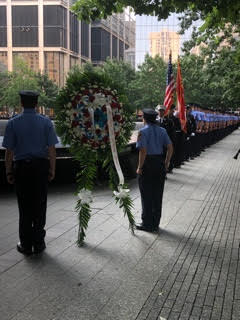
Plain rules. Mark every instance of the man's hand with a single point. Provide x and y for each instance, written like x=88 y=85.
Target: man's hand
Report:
x=167 y=163
x=10 y=178
x=52 y=162
x=51 y=175
x=139 y=171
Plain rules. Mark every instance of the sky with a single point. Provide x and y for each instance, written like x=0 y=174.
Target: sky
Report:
x=147 y=24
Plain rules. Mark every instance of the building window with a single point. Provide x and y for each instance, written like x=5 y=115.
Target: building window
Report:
x=55 y=26
x=85 y=39
x=96 y=44
x=74 y=33
x=105 y=45
x=121 y=50
x=3 y=27
x=114 y=47
x=25 y=26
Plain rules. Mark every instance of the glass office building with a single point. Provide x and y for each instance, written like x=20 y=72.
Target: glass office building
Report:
x=50 y=38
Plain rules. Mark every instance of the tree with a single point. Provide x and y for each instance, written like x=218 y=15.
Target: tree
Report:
x=212 y=81
x=223 y=9
x=122 y=74
x=3 y=85
x=48 y=91
x=22 y=78
x=150 y=84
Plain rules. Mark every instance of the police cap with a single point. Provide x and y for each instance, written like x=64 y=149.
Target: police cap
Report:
x=149 y=114
x=160 y=107
x=29 y=98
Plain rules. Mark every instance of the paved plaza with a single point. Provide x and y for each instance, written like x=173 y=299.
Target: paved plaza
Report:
x=189 y=270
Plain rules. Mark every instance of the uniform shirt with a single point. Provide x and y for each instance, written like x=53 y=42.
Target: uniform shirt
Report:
x=153 y=138
x=29 y=135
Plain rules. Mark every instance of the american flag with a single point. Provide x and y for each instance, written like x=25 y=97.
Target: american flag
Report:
x=180 y=98
x=168 y=100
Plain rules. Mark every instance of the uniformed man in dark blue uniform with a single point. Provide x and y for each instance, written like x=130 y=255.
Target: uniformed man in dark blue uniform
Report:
x=30 y=163
x=152 y=167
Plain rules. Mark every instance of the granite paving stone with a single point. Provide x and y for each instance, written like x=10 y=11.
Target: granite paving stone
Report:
x=189 y=270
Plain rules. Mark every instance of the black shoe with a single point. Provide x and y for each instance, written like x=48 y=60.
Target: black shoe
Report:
x=23 y=250
x=37 y=249
x=142 y=227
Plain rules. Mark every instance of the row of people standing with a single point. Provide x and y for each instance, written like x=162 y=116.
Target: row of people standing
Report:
x=203 y=128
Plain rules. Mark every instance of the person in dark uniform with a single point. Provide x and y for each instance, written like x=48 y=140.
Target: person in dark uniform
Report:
x=165 y=122
x=191 y=131
x=174 y=136
x=30 y=163
x=152 y=167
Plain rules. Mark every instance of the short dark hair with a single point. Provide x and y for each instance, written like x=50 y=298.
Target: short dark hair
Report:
x=29 y=102
x=29 y=99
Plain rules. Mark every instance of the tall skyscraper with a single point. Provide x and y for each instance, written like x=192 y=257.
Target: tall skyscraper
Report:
x=162 y=42
x=50 y=38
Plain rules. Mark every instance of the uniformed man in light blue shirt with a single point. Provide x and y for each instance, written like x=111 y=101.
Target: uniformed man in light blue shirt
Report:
x=30 y=163
x=152 y=167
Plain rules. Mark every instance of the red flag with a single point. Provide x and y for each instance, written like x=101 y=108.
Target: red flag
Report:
x=180 y=98
x=168 y=100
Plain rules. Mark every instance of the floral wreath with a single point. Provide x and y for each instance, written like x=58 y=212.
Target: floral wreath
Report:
x=87 y=116
x=91 y=119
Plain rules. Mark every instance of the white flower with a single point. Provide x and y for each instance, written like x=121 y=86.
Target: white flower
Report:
x=85 y=196
x=121 y=193
x=100 y=99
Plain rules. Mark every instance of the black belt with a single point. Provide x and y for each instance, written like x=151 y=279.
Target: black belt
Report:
x=31 y=161
x=153 y=156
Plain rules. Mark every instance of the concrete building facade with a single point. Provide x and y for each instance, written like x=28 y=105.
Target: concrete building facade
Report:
x=50 y=38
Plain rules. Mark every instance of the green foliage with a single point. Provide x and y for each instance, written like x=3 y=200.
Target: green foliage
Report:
x=48 y=91
x=122 y=75
x=126 y=204
x=23 y=78
x=84 y=215
x=214 y=11
x=212 y=80
x=150 y=83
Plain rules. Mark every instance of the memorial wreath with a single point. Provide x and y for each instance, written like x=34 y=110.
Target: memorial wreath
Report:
x=91 y=119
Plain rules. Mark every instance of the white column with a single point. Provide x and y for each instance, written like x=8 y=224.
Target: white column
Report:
x=41 y=36
x=111 y=55
x=9 y=35
x=68 y=41
x=90 y=41
x=80 y=40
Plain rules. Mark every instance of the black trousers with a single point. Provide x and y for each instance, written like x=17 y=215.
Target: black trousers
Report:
x=151 y=186
x=31 y=179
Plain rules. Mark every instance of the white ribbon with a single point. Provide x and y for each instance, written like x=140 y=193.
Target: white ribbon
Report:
x=113 y=145
x=85 y=196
